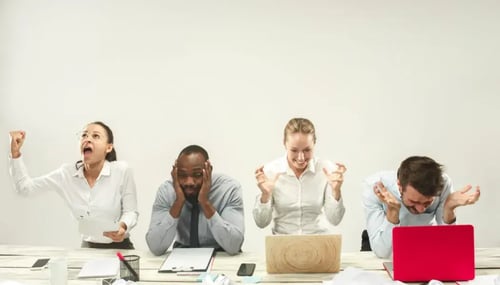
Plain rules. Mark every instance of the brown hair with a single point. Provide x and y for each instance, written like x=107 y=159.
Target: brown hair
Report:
x=422 y=173
x=299 y=125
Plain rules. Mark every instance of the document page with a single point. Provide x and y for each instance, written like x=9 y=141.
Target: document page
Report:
x=187 y=259
x=482 y=280
x=103 y=267
x=95 y=227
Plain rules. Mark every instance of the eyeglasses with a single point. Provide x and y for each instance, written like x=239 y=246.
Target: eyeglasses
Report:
x=84 y=135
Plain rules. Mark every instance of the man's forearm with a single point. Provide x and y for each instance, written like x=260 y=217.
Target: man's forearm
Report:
x=392 y=216
x=176 y=209
x=449 y=216
x=206 y=206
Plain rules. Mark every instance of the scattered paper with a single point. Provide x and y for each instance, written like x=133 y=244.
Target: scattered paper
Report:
x=220 y=279
x=356 y=276
x=251 y=279
x=123 y=282
x=482 y=280
x=104 y=267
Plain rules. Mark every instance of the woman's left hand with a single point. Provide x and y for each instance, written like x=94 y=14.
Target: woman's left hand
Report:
x=335 y=179
x=119 y=235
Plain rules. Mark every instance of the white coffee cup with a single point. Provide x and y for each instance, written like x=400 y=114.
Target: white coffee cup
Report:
x=58 y=271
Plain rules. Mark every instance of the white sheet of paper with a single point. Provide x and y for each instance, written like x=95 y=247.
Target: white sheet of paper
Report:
x=104 y=267
x=482 y=280
x=187 y=259
x=95 y=227
x=358 y=276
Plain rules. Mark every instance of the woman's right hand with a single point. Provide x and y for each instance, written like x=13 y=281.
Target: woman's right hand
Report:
x=16 y=142
x=265 y=184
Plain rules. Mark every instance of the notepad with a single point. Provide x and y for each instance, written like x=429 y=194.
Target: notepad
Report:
x=103 y=267
x=187 y=259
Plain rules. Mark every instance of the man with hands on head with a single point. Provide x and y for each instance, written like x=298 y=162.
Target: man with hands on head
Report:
x=418 y=194
x=218 y=198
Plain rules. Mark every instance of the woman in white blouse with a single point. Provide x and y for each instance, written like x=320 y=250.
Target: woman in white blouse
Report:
x=97 y=188
x=297 y=188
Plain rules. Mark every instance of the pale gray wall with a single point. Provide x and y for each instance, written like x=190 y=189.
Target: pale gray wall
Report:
x=382 y=80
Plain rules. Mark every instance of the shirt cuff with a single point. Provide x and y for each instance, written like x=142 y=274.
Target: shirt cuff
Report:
x=214 y=220
x=390 y=225
x=15 y=161
x=261 y=205
x=454 y=221
x=170 y=220
x=128 y=220
x=332 y=200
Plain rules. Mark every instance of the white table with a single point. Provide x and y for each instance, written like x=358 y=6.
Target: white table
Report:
x=16 y=261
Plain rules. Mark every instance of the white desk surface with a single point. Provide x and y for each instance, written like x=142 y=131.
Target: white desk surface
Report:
x=16 y=261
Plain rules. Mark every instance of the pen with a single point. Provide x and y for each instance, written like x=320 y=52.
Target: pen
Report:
x=211 y=263
x=120 y=256
x=188 y=273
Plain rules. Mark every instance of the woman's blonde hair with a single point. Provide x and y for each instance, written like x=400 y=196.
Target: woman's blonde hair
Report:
x=299 y=125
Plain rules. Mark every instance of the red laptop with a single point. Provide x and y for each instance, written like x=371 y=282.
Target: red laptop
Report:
x=439 y=252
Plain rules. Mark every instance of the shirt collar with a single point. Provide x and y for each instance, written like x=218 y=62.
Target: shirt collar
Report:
x=105 y=171
x=285 y=168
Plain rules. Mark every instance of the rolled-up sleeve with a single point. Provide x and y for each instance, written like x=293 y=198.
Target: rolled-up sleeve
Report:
x=378 y=227
x=447 y=190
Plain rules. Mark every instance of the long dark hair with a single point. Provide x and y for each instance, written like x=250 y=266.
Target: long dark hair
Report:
x=110 y=156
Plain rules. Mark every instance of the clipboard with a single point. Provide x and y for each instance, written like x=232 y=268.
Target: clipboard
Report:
x=187 y=259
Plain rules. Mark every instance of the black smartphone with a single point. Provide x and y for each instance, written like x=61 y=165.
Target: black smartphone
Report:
x=246 y=269
x=39 y=263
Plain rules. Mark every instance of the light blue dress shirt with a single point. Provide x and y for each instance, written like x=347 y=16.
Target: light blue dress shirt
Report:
x=224 y=229
x=379 y=228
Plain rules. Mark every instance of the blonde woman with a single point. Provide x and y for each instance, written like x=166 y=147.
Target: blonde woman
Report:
x=296 y=189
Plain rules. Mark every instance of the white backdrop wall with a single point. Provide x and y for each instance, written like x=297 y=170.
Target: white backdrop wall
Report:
x=381 y=80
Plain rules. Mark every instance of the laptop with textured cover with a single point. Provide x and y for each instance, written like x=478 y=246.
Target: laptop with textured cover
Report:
x=303 y=253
